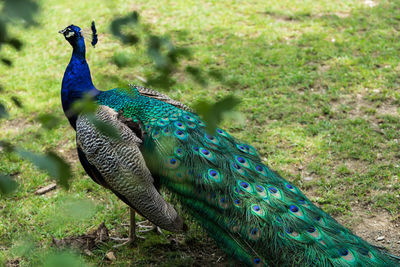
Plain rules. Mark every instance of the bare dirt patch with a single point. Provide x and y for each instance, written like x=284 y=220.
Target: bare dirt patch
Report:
x=357 y=104
x=356 y=166
x=68 y=152
x=70 y=155
x=16 y=126
x=301 y=17
x=376 y=227
x=387 y=109
x=360 y=106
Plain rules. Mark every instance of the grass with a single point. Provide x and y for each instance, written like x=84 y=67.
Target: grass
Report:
x=320 y=93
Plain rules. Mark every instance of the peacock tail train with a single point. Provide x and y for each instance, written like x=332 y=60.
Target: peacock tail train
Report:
x=251 y=211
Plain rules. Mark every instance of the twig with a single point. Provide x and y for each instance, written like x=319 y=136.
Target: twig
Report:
x=45 y=189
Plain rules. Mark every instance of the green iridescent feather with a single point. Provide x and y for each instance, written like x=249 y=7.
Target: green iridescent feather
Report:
x=252 y=212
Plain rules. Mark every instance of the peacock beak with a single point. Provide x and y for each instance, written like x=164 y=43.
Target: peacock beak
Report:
x=62 y=31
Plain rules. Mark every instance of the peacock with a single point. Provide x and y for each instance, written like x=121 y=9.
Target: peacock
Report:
x=254 y=214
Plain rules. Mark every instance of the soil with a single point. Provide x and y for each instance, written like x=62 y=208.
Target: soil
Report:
x=377 y=228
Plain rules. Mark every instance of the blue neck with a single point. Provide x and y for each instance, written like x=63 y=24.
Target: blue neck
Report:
x=77 y=80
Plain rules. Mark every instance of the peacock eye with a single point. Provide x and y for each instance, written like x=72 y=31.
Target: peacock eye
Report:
x=69 y=34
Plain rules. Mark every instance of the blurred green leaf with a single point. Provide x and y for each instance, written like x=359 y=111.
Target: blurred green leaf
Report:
x=120 y=59
x=86 y=105
x=6 y=61
x=216 y=74
x=160 y=49
x=117 y=24
x=69 y=210
x=24 y=246
x=105 y=128
x=14 y=42
x=78 y=209
x=163 y=80
x=196 y=75
x=23 y=9
x=16 y=101
x=50 y=162
x=3 y=111
x=154 y=51
x=63 y=259
x=212 y=114
x=175 y=53
x=48 y=121
x=3 y=31
x=15 y=11
x=7 y=184
x=165 y=57
x=164 y=54
x=6 y=146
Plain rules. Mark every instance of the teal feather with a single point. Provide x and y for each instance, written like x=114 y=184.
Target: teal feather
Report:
x=250 y=210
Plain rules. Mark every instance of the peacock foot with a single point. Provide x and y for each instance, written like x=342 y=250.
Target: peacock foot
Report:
x=129 y=241
x=146 y=226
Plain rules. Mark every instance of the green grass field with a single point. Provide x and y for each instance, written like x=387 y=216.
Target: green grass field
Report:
x=319 y=83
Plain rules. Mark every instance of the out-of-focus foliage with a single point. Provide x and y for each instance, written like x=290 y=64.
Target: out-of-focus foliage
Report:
x=22 y=12
x=214 y=113
x=15 y=12
x=88 y=107
x=104 y=128
x=12 y=12
x=7 y=184
x=3 y=111
x=63 y=259
x=50 y=162
x=48 y=121
x=164 y=54
x=117 y=25
x=167 y=59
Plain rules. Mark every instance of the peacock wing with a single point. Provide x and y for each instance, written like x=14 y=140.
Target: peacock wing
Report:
x=122 y=168
x=157 y=95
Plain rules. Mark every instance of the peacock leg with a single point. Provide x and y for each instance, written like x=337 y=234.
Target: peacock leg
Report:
x=132 y=228
x=142 y=228
x=132 y=232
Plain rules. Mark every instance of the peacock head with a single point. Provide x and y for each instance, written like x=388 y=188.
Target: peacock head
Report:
x=72 y=34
